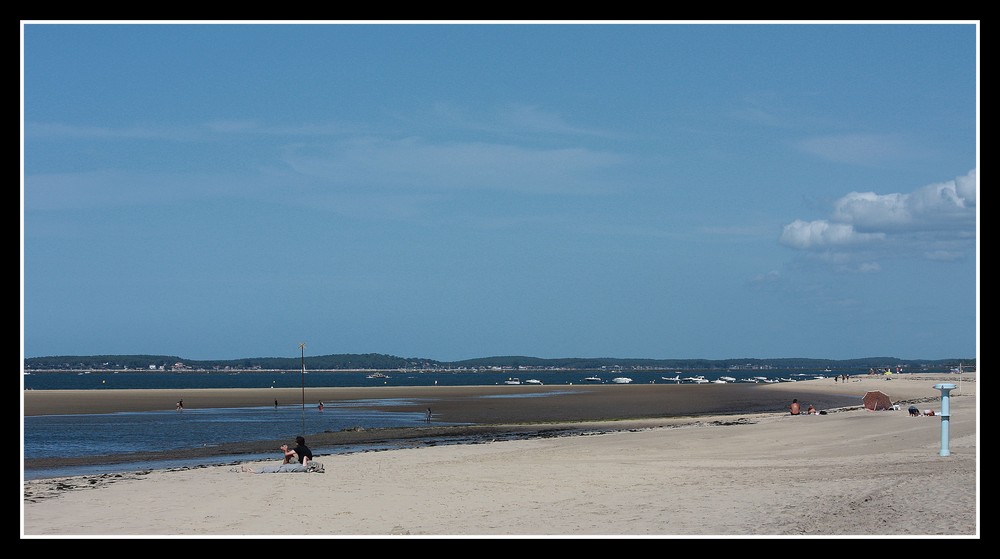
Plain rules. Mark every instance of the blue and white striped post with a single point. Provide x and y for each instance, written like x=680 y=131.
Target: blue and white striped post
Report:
x=945 y=388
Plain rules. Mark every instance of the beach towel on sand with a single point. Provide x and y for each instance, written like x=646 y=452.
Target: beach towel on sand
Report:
x=293 y=468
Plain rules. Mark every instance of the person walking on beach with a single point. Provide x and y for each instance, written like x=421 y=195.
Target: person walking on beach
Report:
x=275 y=403
x=428 y=415
x=795 y=408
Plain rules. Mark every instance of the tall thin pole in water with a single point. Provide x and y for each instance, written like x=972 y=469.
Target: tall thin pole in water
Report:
x=302 y=349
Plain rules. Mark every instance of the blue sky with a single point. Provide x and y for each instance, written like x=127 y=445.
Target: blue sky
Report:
x=451 y=191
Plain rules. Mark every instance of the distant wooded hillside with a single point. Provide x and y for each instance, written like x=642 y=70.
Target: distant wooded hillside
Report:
x=378 y=361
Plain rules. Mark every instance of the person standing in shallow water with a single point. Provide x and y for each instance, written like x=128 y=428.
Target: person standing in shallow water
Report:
x=275 y=403
x=180 y=405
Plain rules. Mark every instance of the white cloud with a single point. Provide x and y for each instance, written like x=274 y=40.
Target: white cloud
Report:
x=936 y=221
x=948 y=204
x=769 y=277
x=823 y=234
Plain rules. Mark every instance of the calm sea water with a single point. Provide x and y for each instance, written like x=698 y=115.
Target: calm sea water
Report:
x=99 y=434
x=85 y=435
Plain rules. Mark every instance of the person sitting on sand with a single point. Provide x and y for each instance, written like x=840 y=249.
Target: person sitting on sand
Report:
x=795 y=408
x=295 y=459
x=812 y=410
x=300 y=453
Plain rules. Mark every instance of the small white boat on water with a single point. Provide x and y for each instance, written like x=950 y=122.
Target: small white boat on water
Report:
x=674 y=378
x=377 y=374
x=592 y=379
x=727 y=379
x=621 y=380
x=532 y=381
x=512 y=380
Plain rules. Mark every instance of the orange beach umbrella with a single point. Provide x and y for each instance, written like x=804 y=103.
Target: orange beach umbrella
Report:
x=877 y=400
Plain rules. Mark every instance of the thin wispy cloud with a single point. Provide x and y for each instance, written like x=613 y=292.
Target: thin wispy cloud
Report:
x=863 y=149
x=423 y=164
x=215 y=129
x=55 y=130
x=109 y=189
x=511 y=119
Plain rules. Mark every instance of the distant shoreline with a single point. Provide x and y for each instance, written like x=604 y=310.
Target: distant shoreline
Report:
x=350 y=362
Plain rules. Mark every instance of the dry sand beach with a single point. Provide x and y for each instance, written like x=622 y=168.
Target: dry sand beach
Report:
x=605 y=469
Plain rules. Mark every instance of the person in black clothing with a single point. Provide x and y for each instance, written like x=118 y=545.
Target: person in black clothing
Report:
x=300 y=453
